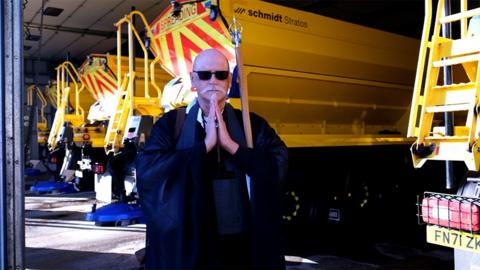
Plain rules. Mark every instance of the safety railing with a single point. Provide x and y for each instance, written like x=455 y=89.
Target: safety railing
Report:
x=422 y=58
x=68 y=69
x=67 y=76
x=126 y=101
x=132 y=32
x=42 y=120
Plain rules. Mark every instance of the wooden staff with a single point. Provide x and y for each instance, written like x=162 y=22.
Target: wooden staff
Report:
x=236 y=32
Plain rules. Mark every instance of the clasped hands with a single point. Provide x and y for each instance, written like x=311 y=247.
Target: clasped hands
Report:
x=217 y=135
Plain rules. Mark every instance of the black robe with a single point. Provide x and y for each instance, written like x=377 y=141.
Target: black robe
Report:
x=177 y=198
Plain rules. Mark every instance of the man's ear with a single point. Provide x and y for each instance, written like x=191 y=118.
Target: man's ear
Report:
x=193 y=82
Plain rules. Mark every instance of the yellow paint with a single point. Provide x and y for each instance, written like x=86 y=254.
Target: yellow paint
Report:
x=51 y=93
x=134 y=96
x=96 y=134
x=431 y=98
x=318 y=81
x=69 y=95
x=318 y=140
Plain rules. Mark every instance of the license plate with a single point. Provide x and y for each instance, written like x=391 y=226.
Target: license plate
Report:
x=453 y=238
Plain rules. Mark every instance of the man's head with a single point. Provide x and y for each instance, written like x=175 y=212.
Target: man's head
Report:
x=211 y=76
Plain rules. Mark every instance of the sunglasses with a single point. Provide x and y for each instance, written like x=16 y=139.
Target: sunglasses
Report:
x=207 y=75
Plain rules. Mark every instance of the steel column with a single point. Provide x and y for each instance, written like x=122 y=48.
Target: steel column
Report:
x=447 y=80
x=11 y=136
x=3 y=210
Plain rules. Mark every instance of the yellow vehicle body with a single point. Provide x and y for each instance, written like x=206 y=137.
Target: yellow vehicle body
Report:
x=51 y=93
x=51 y=96
x=95 y=82
x=317 y=80
x=72 y=102
x=78 y=132
x=139 y=83
x=433 y=97
x=98 y=76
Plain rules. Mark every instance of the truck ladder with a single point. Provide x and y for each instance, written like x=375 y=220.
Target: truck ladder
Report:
x=128 y=100
x=118 y=119
x=59 y=119
x=432 y=96
x=42 y=120
x=77 y=117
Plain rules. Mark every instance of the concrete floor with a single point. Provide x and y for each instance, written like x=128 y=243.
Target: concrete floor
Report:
x=57 y=237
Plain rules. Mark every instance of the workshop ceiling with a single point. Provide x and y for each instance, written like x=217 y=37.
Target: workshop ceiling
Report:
x=83 y=27
x=86 y=26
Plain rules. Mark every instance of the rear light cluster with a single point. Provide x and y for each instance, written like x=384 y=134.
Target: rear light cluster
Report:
x=86 y=137
x=98 y=168
x=83 y=132
x=451 y=211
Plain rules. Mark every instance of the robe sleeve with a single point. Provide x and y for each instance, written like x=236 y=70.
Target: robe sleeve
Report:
x=269 y=157
x=266 y=164
x=160 y=167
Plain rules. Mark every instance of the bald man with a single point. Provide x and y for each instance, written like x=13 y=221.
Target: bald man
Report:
x=209 y=201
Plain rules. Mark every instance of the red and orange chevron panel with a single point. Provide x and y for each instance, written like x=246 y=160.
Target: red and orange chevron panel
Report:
x=98 y=79
x=178 y=40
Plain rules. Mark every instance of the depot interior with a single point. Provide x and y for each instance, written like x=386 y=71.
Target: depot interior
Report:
x=346 y=190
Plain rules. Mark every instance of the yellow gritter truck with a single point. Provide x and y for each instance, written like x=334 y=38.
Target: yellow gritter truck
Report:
x=337 y=93
x=444 y=122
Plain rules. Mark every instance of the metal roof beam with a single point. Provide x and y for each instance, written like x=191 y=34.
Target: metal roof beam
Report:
x=82 y=31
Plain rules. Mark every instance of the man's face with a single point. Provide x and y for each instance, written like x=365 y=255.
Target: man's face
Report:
x=210 y=61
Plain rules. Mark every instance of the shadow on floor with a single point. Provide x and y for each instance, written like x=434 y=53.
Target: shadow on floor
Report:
x=56 y=215
x=383 y=256
x=47 y=258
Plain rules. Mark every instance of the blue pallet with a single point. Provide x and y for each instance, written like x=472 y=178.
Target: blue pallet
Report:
x=53 y=187
x=116 y=213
